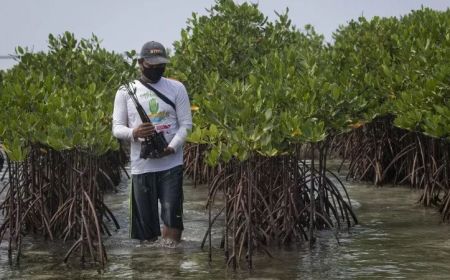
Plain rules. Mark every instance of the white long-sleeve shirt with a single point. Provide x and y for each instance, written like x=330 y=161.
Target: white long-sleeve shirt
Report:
x=174 y=124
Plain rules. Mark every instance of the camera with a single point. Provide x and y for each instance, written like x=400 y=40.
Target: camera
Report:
x=154 y=146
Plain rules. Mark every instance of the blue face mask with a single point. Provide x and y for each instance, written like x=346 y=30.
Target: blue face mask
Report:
x=154 y=74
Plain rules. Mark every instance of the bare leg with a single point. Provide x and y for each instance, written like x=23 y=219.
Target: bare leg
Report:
x=173 y=234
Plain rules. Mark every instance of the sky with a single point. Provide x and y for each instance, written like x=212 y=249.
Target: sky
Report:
x=127 y=25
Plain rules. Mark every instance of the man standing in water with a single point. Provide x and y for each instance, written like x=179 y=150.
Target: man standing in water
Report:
x=166 y=103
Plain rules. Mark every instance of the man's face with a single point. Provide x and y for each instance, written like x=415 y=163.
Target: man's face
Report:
x=153 y=72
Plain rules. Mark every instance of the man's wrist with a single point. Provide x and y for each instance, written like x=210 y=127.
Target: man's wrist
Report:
x=133 y=134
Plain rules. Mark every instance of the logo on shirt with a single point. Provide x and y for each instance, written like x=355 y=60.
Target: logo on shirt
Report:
x=153 y=106
x=155 y=115
x=148 y=94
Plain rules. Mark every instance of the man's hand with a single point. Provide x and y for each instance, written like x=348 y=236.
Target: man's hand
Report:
x=144 y=130
x=167 y=151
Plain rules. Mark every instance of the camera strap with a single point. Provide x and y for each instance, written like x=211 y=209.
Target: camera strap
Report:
x=159 y=94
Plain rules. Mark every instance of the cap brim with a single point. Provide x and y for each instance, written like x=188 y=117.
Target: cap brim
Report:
x=156 y=60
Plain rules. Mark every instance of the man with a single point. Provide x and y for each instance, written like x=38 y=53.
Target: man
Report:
x=166 y=103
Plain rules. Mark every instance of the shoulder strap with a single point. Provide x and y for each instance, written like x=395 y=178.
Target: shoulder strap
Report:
x=159 y=94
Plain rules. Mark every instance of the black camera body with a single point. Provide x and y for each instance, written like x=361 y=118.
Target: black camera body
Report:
x=154 y=146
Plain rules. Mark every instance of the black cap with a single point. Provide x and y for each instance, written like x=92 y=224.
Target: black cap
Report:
x=154 y=53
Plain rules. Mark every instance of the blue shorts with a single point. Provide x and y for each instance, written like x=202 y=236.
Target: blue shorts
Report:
x=146 y=189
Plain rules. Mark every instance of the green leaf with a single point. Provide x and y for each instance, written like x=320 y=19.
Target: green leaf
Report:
x=268 y=114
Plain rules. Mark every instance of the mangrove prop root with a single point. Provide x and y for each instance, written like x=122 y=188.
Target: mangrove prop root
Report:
x=58 y=195
x=276 y=201
x=381 y=153
x=195 y=166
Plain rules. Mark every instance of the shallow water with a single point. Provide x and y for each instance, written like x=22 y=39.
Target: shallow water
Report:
x=396 y=239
